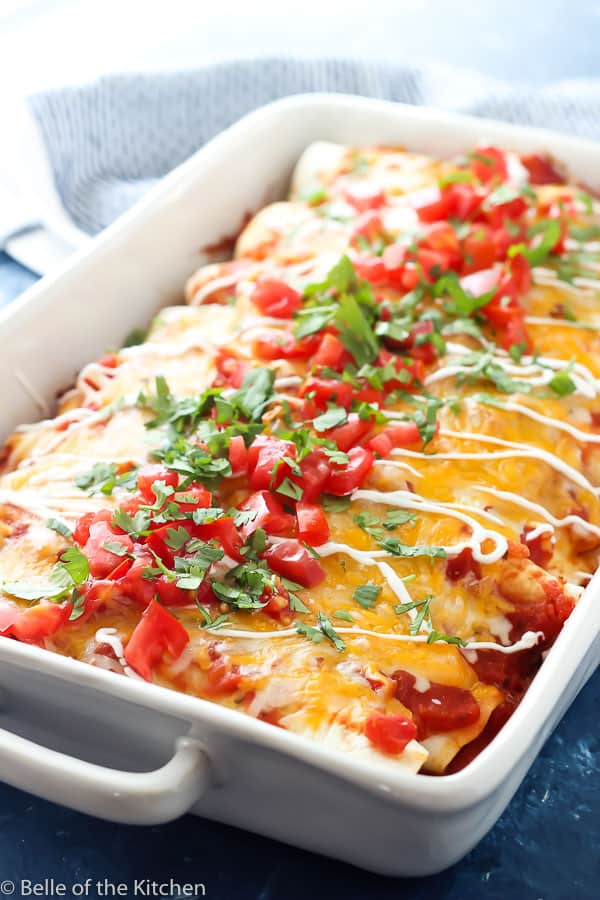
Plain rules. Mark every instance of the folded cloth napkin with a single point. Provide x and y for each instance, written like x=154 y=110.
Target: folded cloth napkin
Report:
x=103 y=144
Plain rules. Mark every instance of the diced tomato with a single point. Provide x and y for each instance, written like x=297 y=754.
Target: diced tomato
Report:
x=196 y=497
x=269 y=514
x=365 y=196
x=171 y=595
x=158 y=541
x=489 y=164
x=433 y=262
x=230 y=367
x=381 y=445
x=134 y=586
x=403 y=434
x=277 y=602
x=102 y=561
x=326 y=390
x=284 y=345
x=515 y=332
x=40 y=621
x=350 y=433
x=81 y=532
x=541 y=548
x=238 y=455
x=150 y=473
x=520 y=271
x=109 y=361
x=503 y=239
x=432 y=205
x=442 y=236
x=390 y=733
x=410 y=372
x=158 y=633
x=548 y=616
x=371 y=268
x=331 y=353
x=368 y=394
x=416 y=344
x=463 y=200
x=223 y=675
x=268 y=461
x=312 y=523
x=346 y=478
x=462 y=565
x=291 y=559
x=8 y=616
x=479 y=250
x=541 y=169
x=368 y=227
x=276 y=299
x=316 y=469
x=510 y=211
x=440 y=708
x=224 y=532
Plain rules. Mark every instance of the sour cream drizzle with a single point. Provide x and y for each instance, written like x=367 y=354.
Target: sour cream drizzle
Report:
x=524 y=450
x=528 y=640
x=511 y=406
x=408 y=500
x=109 y=636
x=540 y=510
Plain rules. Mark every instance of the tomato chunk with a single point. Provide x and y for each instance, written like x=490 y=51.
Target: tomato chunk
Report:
x=401 y=435
x=265 y=456
x=103 y=561
x=316 y=469
x=41 y=621
x=292 y=560
x=350 y=433
x=276 y=298
x=331 y=353
x=489 y=164
x=346 y=478
x=312 y=523
x=150 y=473
x=238 y=455
x=268 y=514
x=326 y=390
x=230 y=367
x=440 y=708
x=284 y=345
x=390 y=733
x=157 y=634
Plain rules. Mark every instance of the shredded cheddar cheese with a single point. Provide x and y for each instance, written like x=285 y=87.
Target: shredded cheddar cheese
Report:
x=351 y=488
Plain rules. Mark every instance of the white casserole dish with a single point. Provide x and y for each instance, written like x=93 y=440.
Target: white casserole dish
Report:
x=134 y=752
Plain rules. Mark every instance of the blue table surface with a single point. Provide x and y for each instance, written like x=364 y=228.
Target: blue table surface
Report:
x=546 y=845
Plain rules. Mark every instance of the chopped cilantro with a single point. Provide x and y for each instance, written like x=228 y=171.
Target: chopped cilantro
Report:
x=366 y=595
x=59 y=526
x=335 y=415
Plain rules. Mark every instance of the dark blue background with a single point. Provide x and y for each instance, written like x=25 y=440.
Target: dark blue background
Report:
x=547 y=844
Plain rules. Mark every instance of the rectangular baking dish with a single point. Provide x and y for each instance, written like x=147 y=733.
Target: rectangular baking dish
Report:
x=134 y=752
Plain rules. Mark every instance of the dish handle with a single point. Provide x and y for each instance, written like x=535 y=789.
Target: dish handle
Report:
x=134 y=798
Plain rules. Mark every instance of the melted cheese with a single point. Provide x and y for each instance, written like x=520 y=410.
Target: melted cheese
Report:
x=524 y=465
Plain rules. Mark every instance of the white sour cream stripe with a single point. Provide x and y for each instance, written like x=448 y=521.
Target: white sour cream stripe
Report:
x=528 y=640
x=408 y=500
x=510 y=406
x=524 y=450
x=540 y=510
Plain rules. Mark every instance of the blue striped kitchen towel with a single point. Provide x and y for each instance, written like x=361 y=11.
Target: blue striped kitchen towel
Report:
x=107 y=142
